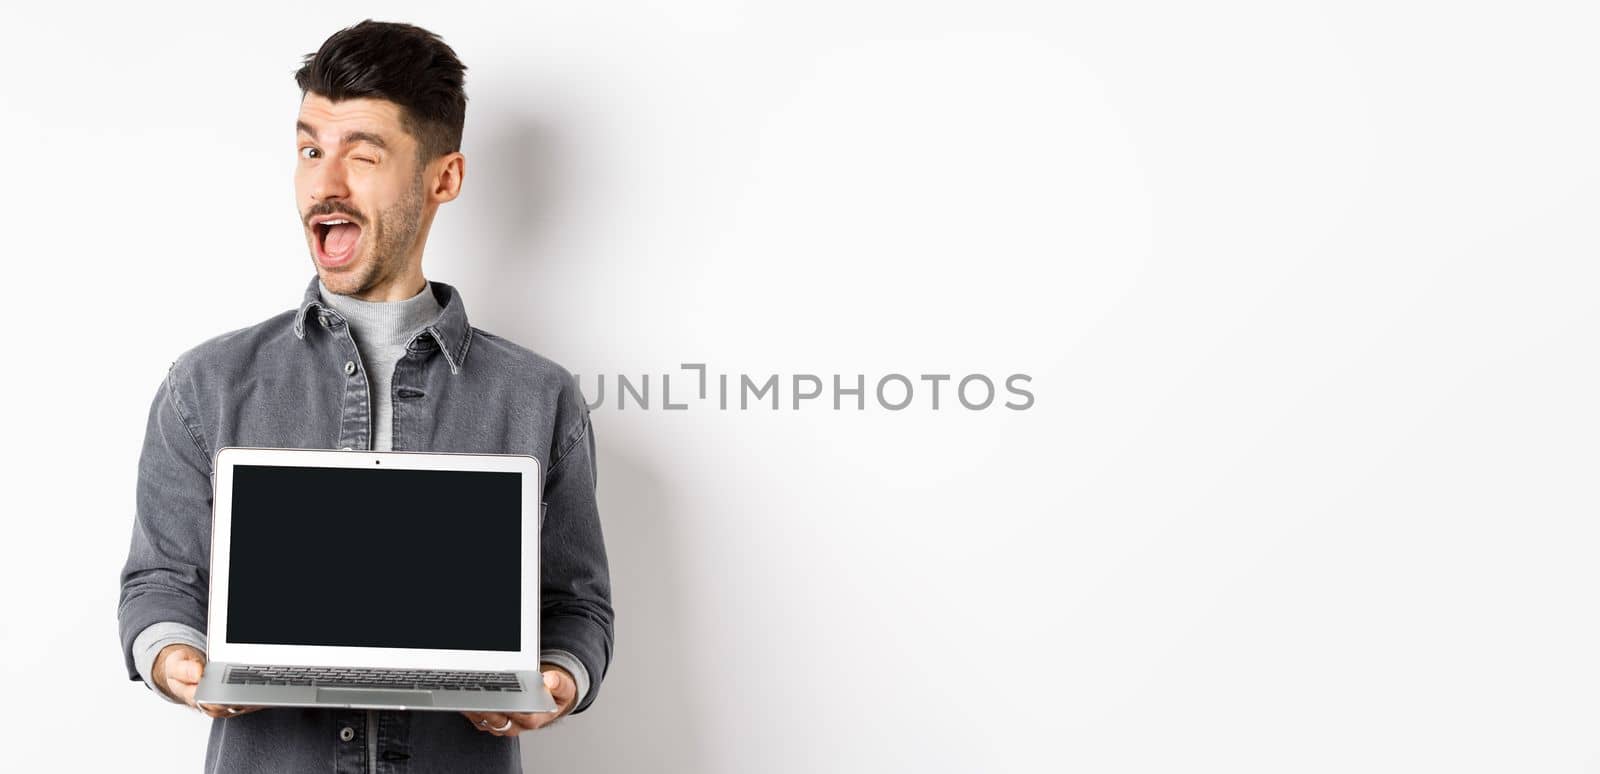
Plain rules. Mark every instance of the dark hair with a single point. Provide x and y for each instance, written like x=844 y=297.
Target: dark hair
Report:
x=402 y=63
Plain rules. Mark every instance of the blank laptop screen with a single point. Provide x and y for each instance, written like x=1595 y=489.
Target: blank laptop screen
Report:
x=375 y=558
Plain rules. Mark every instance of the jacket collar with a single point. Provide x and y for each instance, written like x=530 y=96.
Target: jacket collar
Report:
x=449 y=331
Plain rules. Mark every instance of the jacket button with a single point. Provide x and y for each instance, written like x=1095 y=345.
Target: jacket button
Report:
x=349 y=367
x=346 y=734
x=324 y=319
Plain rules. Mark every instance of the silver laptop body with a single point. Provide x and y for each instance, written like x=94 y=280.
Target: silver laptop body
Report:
x=381 y=580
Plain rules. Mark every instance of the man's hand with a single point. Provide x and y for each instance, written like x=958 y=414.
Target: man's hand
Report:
x=562 y=686
x=177 y=673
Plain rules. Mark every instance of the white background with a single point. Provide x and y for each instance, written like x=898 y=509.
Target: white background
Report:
x=1307 y=293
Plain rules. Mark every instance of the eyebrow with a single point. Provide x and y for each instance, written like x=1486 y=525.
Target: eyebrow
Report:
x=350 y=137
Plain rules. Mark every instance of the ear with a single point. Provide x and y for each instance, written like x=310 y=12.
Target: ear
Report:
x=451 y=170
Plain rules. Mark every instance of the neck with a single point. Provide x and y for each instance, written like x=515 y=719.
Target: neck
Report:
x=400 y=288
x=384 y=322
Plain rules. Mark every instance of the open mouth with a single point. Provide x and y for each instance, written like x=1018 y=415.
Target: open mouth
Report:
x=336 y=240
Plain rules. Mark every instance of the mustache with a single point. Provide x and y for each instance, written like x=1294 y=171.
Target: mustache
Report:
x=333 y=209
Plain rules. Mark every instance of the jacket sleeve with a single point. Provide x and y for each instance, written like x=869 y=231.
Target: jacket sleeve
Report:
x=165 y=578
x=575 y=594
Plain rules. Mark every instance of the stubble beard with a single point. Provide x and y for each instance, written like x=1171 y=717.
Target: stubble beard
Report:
x=394 y=231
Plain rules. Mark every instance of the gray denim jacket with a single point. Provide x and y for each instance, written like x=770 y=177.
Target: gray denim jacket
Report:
x=296 y=380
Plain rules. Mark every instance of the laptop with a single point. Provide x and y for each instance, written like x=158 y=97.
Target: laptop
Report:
x=377 y=580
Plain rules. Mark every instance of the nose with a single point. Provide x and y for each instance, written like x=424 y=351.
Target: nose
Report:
x=328 y=181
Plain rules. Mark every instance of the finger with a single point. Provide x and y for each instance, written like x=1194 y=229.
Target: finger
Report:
x=488 y=722
x=184 y=691
x=186 y=671
x=212 y=710
x=562 y=687
x=530 y=721
x=565 y=692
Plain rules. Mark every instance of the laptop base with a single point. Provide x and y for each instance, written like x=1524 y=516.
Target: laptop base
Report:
x=214 y=691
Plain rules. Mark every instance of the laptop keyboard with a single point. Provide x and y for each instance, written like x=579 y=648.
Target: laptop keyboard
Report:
x=343 y=677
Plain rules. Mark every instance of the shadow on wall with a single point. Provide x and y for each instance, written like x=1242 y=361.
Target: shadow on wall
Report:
x=644 y=718
x=514 y=179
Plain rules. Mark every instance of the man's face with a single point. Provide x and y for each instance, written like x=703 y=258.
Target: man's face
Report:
x=357 y=163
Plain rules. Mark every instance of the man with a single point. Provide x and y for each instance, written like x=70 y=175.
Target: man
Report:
x=373 y=357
